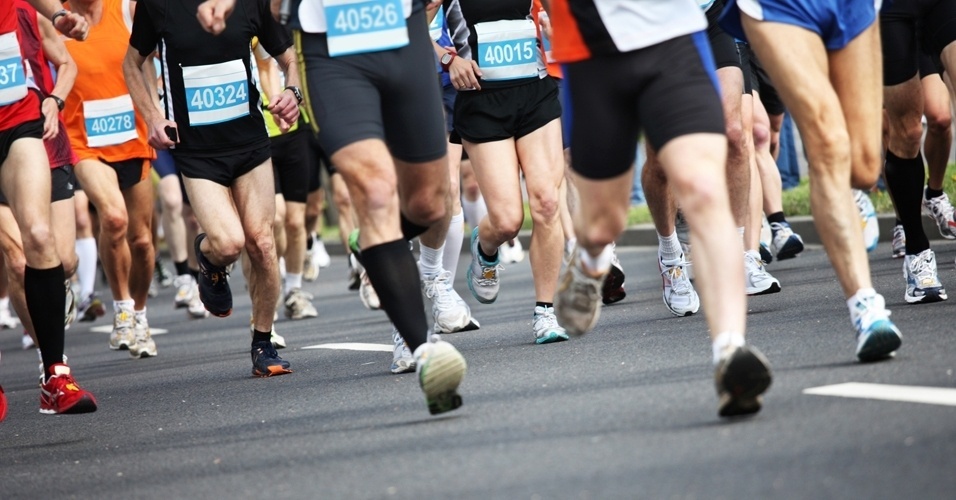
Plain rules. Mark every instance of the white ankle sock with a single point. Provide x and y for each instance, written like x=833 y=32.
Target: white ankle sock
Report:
x=292 y=281
x=429 y=263
x=453 y=242
x=669 y=246
x=86 y=267
x=601 y=263
x=725 y=340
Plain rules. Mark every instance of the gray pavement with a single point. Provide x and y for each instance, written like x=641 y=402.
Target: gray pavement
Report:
x=628 y=411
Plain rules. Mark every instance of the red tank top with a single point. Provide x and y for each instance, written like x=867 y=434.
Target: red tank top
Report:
x=17 y=104
x=58 y=148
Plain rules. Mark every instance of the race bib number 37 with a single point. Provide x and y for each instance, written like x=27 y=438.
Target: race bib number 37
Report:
x=508 y=50
x=13 y=82
x=359 y=26
x=216 y=93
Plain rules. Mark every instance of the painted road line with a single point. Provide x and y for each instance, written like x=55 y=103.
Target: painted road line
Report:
x=354 y=346
x=109 y=329
x=905 y=393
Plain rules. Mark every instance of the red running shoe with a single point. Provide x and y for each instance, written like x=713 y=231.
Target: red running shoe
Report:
x=3 y=405
x=61 y=394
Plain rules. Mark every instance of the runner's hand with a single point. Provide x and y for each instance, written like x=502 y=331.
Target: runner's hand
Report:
x=158 y=138
x=464 y=74
x=212 y=14
x=72 y=25
x=51 y=118
x=285 y=108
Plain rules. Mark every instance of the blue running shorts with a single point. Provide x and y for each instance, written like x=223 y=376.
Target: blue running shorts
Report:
x=836 y=21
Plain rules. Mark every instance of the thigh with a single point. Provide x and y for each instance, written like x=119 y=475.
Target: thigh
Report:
x=213 y=206
x=255 y=199
x=542 y=161
x=101 y=184
x=496 y=169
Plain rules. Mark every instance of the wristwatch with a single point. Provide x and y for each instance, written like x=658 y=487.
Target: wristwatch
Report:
x=296 y=92
x=446 y=60
x=59 y=102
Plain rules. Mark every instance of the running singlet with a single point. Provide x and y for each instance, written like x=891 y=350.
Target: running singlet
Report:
x=502 y=39
x=210 y=80
x=58 y=148
x=595 y=27
x=100 y=118
x=17 y=104
x=438 y=31
x=358 y=26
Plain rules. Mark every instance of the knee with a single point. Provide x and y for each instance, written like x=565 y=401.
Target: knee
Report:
x=70 y=262
x=113 y=223
x=761 y=137
x=172 y=207
x=506 y=226
x=736 y=142
x=16 y=264
x=703 y=191
x=140 y=242
x=868 y=165
x=939 y=123
x=833 y=151
x=261 y=246
x=36 y=238
x=544 y=206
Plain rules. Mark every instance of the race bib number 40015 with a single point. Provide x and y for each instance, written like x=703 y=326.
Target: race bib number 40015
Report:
x=359 y=26
x=508 y=50
x=109 y=121
x=216 y=93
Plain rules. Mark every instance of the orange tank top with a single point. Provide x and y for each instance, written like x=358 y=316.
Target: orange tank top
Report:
x=100 y=118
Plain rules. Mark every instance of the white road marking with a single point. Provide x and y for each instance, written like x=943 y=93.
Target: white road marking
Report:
x=906 y=393
x=109 y=329
x=353 y=346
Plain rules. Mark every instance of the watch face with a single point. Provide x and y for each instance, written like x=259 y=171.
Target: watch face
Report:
x=445 y=59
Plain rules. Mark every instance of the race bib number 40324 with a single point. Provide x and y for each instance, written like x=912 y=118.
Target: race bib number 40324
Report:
x=216 y=93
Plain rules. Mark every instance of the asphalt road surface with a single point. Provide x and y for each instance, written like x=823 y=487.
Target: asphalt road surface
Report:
x=628 y=411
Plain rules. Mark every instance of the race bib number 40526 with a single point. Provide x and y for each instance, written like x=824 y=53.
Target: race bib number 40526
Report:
x=216 y=93
x=359 y=26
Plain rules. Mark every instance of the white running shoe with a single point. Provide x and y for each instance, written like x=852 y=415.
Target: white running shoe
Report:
x=70 y=306
x=483 y=276
x=756 y=278
x=511 y=252
x=898 y=246
x=922 y=281
x=367 y=293
x=298 y=305
x=871 y=226
x=451 y=313
x=785 y=244
x=577 y=303
x=184 y=284
x=940 y=209
x=319 y=253
x=402 y=359
x=143 y=345
x=545 y=326
x=7 y=320
x=440 y=368
x=679 y=294
x=26 y=341
x=196 y=308
x=877 y=336
x=122 y=335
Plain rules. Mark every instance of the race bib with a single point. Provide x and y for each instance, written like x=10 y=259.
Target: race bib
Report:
x=13 y=81
x=109 y=121
x=508 y=50
x=216 y=93
x=360 y=26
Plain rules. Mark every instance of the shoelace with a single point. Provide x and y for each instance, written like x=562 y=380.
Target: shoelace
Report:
x=546 y=320
x=435 y=287
x=495 y=269
x=585 y=291
x=680 y=284
x=868 y=311
x=922 y=269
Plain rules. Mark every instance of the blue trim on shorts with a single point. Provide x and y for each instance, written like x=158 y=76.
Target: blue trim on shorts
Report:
x=164 y=164
x=706 y=57
x=567 y=110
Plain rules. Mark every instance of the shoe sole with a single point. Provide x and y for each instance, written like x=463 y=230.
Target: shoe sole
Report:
x=273 y=370
x=745 y=378
x=680 y=314
x=470 y=326
x=146 y=353
x=789 y=251
x=122 y=347
x=400 y=369
x=929 y=297
x=83 y=405
x=613 y=288
x=445 y=370
x=551 y=338
x=774 y=288
x=881 y=344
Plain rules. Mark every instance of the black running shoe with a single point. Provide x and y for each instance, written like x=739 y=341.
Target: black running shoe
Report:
x=613 y=289
x=214 y=288
x=741 y=377
x=266 y=361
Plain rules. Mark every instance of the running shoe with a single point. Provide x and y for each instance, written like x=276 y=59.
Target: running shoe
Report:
x=679 y=294
x=682 y=228
x=511 y=252
x=483 y=275
x=355 y=273
x=898 y=246
x=756 y=278
x=785 y=244
x=184 y=290
x=440 y=368
x=368 y=294
x=765 y=254
x=196 y=308
x=577 y=302
x=319 y=254
x=613 y=288
x=310 y=270
x=545 y=326
x=266 y=361
x=60 y=393
x=26 y=341
x=70 y=306
x=122 y=335
x=877 y=337
x=298 y=305
x=214 y=290
x=91 y=308
x=941 y=211
x=162 y=275
x=7 y=320
x=3 y=404
x=402 y=359
x=153 y=289
x=143 y=345
x=451 y=314
x=871 y=226
x=741 y=376
x=922 y=281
